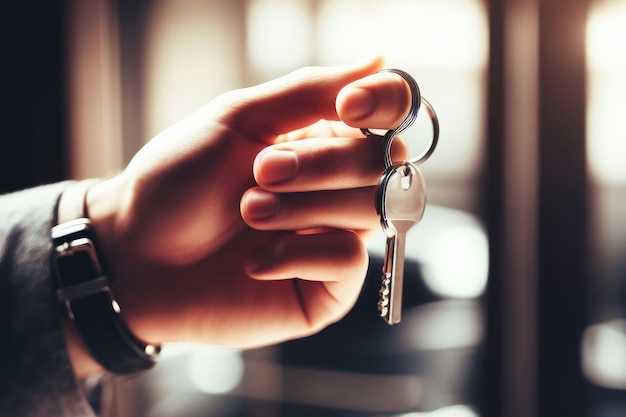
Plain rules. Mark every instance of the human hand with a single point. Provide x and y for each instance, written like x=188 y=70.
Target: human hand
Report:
x=208 y=227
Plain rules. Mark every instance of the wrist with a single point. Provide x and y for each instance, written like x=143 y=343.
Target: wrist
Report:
x=86 y=259
x=102 y=208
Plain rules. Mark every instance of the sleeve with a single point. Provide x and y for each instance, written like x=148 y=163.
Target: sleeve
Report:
x=36 y=376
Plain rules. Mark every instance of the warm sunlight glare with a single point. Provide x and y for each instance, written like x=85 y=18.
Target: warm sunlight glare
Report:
x=215 y=370
x=604 y=362
x=606 y=112
x=450 y=411
x=457 y=262
x=278 y=35
x=448 y=34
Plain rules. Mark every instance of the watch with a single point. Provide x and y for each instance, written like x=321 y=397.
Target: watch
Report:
x=83 y=288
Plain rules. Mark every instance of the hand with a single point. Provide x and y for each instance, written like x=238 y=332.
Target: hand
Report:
x=208 y=227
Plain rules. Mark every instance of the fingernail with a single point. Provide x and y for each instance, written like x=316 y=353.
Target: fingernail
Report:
x=362 y=103
x=261 y=205
x=277 y=166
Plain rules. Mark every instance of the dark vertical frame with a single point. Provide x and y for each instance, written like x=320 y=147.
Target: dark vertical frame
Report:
x=542 y=325
x=33 y=90
x=562 y=207
x=131 y=19
x=494 y=392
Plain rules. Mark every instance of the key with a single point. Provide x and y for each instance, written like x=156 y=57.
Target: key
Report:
x=400 y=203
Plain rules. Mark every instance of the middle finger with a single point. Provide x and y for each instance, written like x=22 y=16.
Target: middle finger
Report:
x=323 y=164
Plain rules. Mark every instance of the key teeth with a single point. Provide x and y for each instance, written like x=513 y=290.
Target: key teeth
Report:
x=385 y=290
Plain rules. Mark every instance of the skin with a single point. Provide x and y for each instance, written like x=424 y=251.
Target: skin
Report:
x=207 y=228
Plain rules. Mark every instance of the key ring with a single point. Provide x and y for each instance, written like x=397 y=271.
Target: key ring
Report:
x=416 y=101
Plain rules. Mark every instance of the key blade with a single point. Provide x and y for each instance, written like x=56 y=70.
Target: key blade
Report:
x=397 y=280
x=402 y=203
x=384 y=301
x=391 y=290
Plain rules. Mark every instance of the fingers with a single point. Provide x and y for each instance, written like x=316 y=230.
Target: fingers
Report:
x=330 y=268
x=317 y=183
x=323 y=164
x=379 y=101
x=351 y=209
x=316 y=257
x=290 y=102
x=355 y=94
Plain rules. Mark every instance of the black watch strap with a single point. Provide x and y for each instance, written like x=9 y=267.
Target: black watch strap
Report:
x=84 y=289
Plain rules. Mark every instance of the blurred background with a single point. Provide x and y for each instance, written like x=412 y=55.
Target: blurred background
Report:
x=515 y=293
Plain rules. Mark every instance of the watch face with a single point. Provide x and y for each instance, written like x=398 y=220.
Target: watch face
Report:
x=78 y=266
x=77 y=260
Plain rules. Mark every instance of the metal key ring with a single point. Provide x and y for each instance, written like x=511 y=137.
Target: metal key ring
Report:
x=416 y=101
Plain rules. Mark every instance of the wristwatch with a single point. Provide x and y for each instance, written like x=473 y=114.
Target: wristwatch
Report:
x=83 y=288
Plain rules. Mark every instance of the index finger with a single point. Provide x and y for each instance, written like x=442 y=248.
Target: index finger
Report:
x=290 y=102
x=305 y=96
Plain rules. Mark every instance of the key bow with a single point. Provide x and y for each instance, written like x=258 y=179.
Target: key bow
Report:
x=416 y=101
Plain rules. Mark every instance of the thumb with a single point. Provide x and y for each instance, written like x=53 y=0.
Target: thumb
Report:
x=291 y=102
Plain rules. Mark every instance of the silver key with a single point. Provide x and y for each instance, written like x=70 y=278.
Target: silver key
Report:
x=400 y=203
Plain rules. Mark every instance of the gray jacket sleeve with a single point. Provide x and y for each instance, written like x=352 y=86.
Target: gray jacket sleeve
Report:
x=36 y=376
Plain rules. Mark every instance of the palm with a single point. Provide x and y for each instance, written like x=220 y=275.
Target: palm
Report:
x=207 y=188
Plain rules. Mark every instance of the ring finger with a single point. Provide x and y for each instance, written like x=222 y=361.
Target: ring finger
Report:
x=351 y=209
